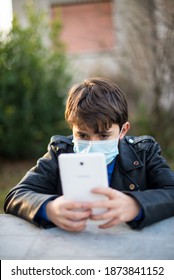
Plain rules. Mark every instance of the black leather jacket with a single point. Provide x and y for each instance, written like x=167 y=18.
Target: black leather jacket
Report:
x=140 y=171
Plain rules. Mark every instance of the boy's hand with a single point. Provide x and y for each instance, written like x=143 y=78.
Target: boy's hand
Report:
x=65 y=214
x=120 y=207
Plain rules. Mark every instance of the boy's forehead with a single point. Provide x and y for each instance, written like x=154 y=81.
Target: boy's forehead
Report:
x=84 y=128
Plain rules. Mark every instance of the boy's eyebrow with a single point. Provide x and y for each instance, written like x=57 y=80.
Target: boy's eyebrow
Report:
x=81 y=132
x=104 y=132
x=100 y=132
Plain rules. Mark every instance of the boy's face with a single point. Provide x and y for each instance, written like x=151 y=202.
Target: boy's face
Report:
x=88 y=134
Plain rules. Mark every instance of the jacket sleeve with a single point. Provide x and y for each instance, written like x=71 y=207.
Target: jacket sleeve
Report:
x=157 y=200
x=39 y=184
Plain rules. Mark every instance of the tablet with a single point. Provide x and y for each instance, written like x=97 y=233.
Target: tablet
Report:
x=80 y=173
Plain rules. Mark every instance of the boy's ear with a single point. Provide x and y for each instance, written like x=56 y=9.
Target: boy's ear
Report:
x=124 y=130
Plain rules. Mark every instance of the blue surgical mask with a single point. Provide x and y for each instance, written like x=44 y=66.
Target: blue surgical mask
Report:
x=107 y=147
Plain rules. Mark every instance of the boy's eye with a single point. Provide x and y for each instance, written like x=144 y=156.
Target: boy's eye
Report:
x=83 y=136
x=104 y=136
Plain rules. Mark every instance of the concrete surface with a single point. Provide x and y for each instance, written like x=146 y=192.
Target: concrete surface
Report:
x=22 y=240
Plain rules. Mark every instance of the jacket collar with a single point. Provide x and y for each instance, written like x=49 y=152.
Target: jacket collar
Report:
x=128 y=158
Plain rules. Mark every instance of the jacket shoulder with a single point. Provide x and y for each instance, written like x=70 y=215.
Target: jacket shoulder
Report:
x=144 y=142
x=61 y=138
x=60 y=142
x=137 y=139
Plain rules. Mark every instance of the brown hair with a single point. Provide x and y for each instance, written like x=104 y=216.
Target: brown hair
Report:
x=96 y=103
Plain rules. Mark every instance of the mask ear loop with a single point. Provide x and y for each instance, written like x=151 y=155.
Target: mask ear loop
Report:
x=120 y=132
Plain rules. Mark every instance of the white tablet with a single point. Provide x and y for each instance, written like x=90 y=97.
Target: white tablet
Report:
x=80 y=173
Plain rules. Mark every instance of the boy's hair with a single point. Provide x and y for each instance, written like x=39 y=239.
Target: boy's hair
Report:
x=96 y=103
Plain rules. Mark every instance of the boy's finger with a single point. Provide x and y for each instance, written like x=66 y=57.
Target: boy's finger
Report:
x=109 y=192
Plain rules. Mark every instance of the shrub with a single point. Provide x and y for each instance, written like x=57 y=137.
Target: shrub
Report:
x=33 y=82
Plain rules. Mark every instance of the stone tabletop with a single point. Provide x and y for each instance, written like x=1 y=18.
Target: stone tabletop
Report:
x=21 y=240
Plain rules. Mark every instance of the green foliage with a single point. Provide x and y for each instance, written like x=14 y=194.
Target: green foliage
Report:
x=145 y=123
x=148 y=122
x=33 y=82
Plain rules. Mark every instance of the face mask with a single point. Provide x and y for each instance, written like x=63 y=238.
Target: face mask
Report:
x=107 y=147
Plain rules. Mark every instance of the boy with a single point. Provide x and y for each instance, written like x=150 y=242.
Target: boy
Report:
x=141 y=184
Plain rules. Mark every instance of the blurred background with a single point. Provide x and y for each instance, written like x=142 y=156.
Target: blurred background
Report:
x=48 y=45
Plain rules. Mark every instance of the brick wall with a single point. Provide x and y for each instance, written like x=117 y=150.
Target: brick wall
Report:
x=87 y=27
